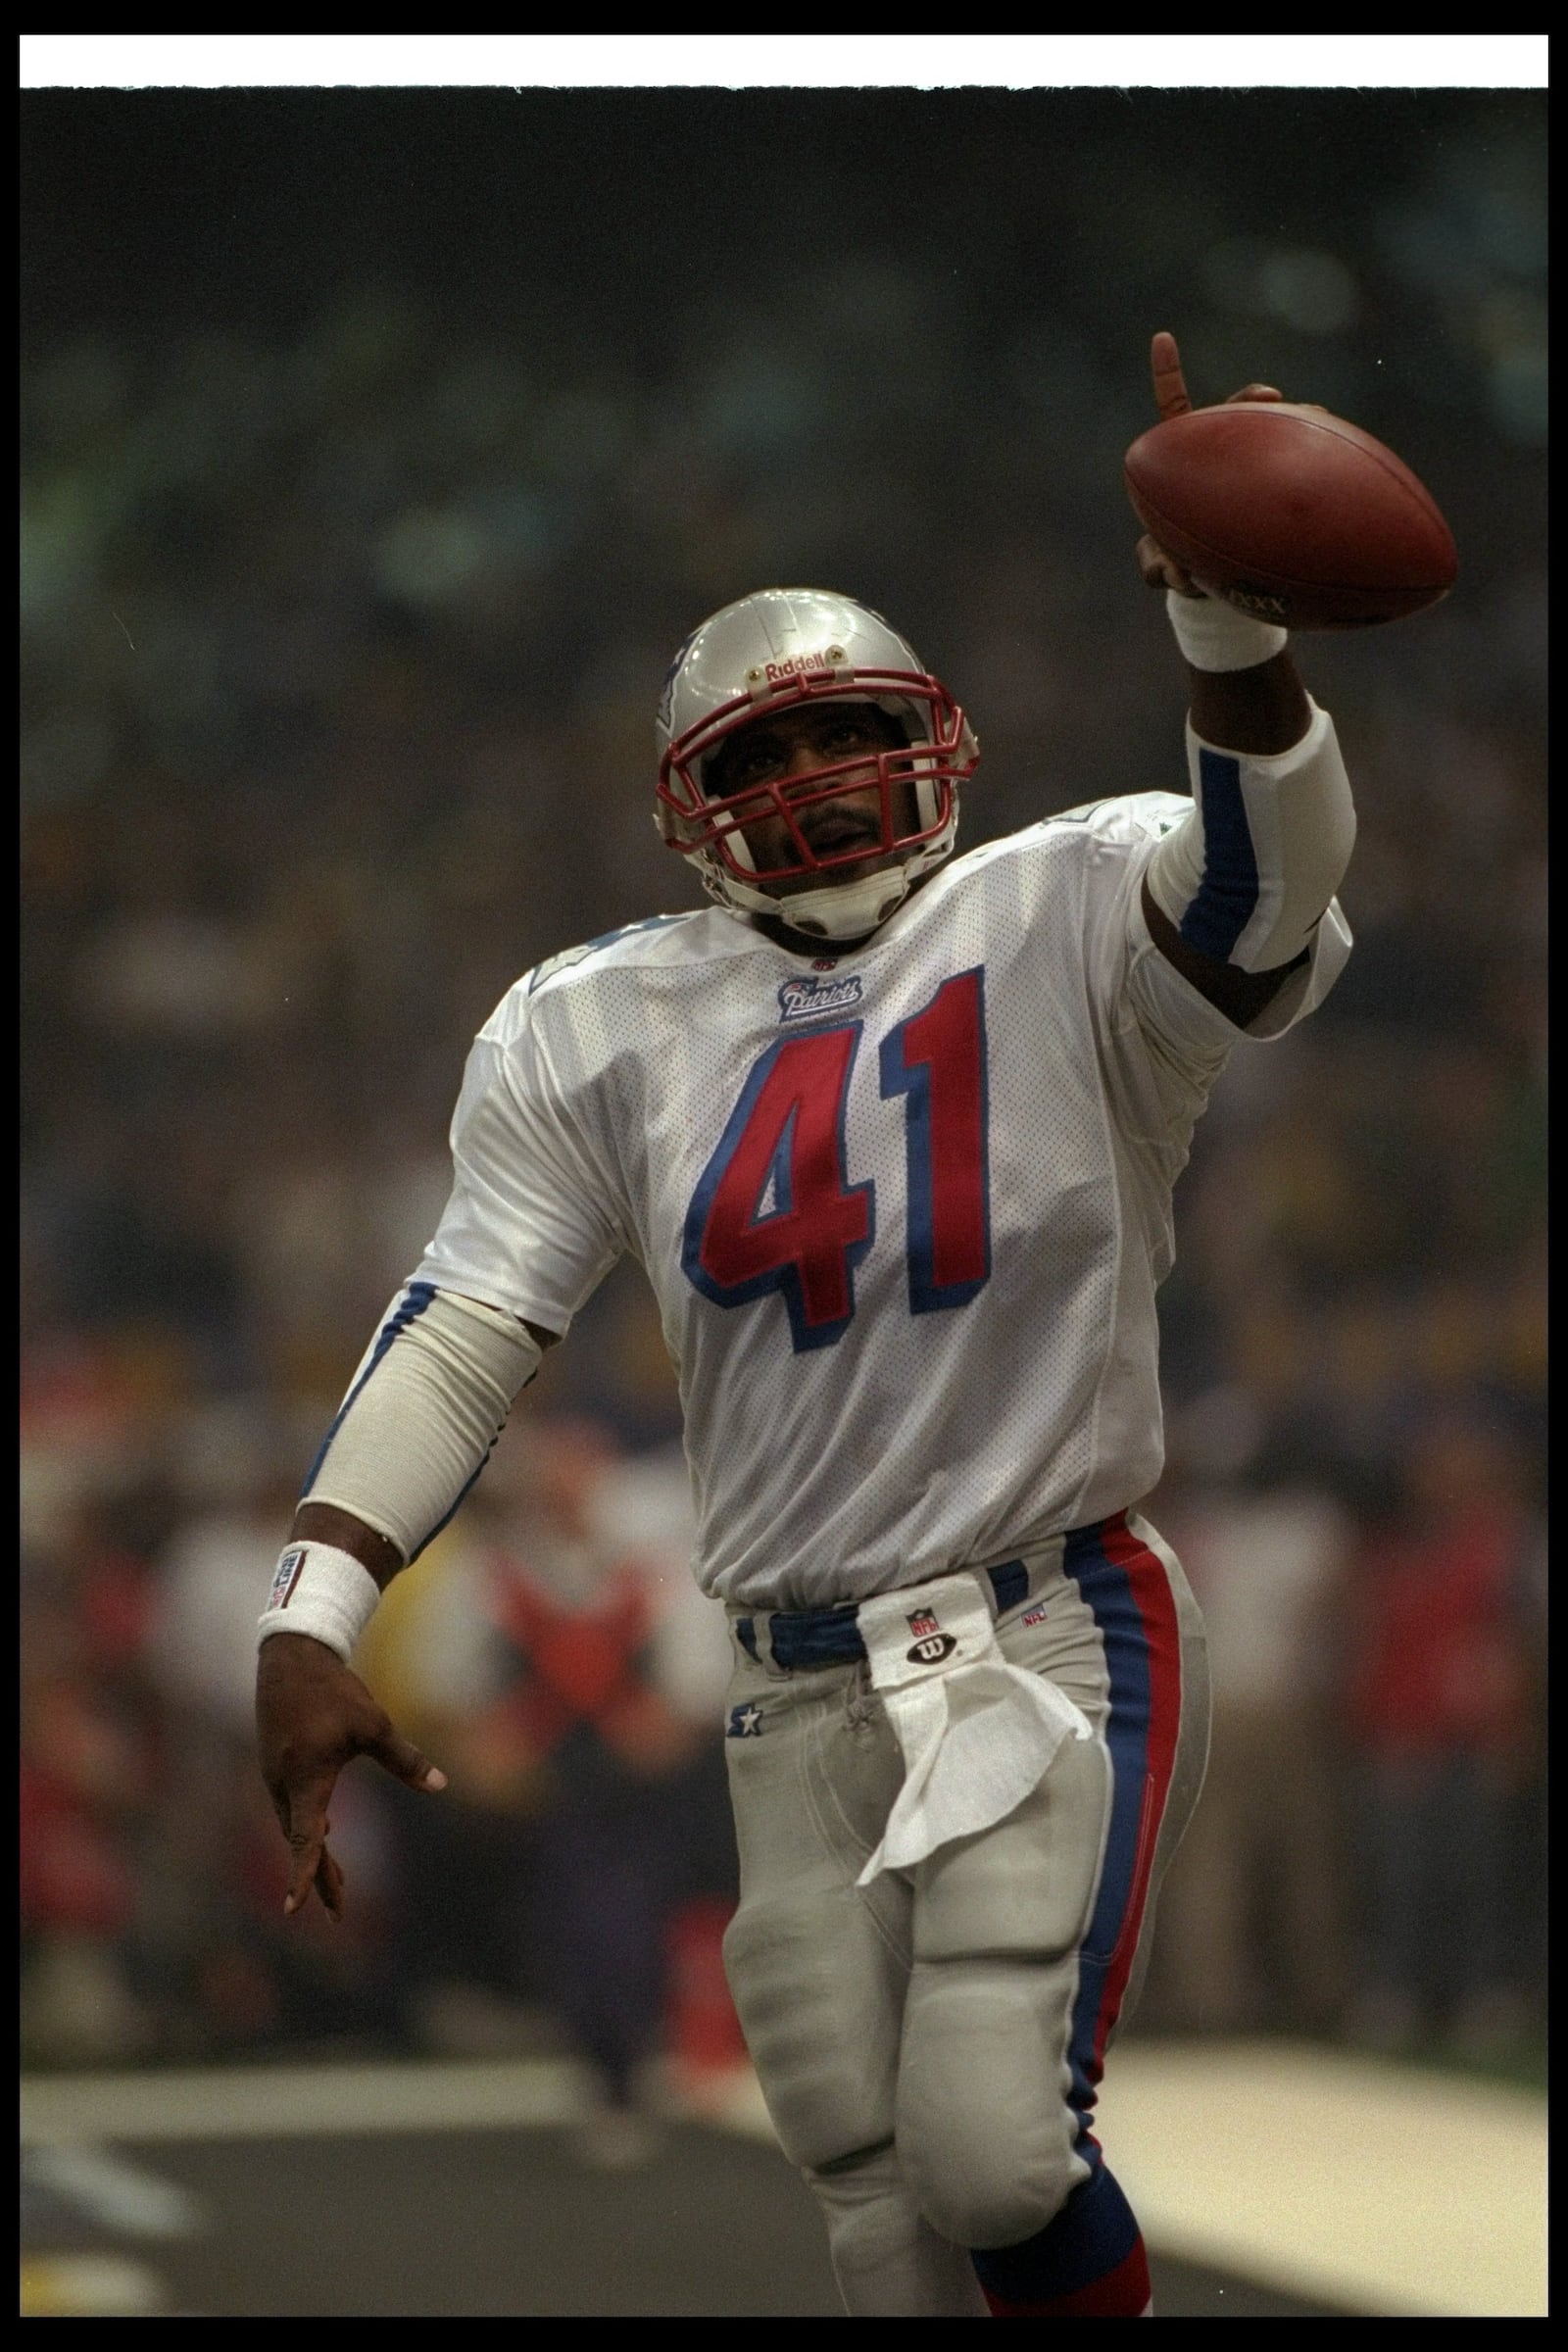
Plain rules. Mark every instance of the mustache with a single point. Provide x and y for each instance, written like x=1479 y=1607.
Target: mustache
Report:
x=840 y=825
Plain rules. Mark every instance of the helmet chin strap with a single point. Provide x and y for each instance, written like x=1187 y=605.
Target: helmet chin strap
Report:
x=839 y=910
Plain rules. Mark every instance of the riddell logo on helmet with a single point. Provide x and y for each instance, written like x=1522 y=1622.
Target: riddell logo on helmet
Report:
x=793 y=666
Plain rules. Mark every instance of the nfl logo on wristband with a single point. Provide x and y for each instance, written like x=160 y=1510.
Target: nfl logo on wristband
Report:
x=286 y=1576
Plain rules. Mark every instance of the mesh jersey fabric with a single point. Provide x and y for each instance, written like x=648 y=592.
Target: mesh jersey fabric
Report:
x=605 y=1109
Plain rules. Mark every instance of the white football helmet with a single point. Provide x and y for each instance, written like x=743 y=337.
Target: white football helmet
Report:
x=780 y=648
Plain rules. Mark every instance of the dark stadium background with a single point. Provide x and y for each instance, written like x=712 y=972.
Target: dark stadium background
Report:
x=378 y=447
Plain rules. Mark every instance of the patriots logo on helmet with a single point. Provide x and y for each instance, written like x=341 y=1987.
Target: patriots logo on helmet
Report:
x=667 y=692
x=931 y=1643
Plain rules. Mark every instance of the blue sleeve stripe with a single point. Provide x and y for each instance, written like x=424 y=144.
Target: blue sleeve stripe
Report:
x=416 y=1299
x=456 y=1508
x=1227 y=897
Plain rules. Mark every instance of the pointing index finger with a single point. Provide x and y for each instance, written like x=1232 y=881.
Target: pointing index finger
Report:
x=1170 y=385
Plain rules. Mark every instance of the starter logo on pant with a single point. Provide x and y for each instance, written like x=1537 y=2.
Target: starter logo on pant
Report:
x=745 y=1723
x=931 y=1644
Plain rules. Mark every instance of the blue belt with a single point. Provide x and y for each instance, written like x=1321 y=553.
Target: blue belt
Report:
x=831 y=1638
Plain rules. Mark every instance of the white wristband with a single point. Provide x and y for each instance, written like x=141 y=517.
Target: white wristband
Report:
x=319 y=1590
x=1214 y=636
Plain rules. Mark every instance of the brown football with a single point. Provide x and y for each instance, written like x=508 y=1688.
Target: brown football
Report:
x=1291 y=513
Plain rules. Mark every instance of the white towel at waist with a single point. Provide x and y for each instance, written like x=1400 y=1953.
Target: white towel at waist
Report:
x=977 y=1733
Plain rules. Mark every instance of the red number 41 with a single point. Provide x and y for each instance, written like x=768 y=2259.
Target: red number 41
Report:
x=774 y=1211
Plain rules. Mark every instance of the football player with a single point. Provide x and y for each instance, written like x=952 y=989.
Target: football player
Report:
x=893 y=1133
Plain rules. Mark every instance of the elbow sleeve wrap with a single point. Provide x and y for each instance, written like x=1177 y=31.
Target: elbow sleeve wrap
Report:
x=1245 y=877
x=422 y=1412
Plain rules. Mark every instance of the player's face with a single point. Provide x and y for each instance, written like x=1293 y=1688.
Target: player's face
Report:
x=786 y=751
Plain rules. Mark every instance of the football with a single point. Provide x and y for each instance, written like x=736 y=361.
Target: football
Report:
x=1291 y=513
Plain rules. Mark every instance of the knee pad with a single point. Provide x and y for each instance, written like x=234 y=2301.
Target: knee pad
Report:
x=985 y=2133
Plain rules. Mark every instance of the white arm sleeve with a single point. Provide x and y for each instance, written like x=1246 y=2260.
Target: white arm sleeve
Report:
x=422 y=1412
x=1247 y=877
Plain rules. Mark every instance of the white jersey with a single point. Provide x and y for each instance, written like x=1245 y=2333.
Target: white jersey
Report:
x=905 y=1208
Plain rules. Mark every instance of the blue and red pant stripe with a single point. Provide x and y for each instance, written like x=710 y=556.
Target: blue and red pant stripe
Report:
x=1126 y=1586
x=1090 y=2260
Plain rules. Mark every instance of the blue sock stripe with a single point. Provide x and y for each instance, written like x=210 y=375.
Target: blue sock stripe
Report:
x=1094 y=2233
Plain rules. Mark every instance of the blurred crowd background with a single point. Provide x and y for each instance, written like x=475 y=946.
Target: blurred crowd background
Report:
x=378 y=449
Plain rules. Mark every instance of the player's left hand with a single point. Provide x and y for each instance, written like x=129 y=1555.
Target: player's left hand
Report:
x=1171 y=399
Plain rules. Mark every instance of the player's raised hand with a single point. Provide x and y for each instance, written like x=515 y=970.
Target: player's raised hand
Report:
x=312 y=1716
x=1170 y=385
x=1171 y=399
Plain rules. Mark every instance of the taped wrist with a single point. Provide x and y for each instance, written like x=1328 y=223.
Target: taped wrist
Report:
x=319 y=1590
x=1214 y=636
x=1245 y=877
x=425 y=1406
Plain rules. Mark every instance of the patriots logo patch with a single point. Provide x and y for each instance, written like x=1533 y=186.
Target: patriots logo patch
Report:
x=803 y=999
